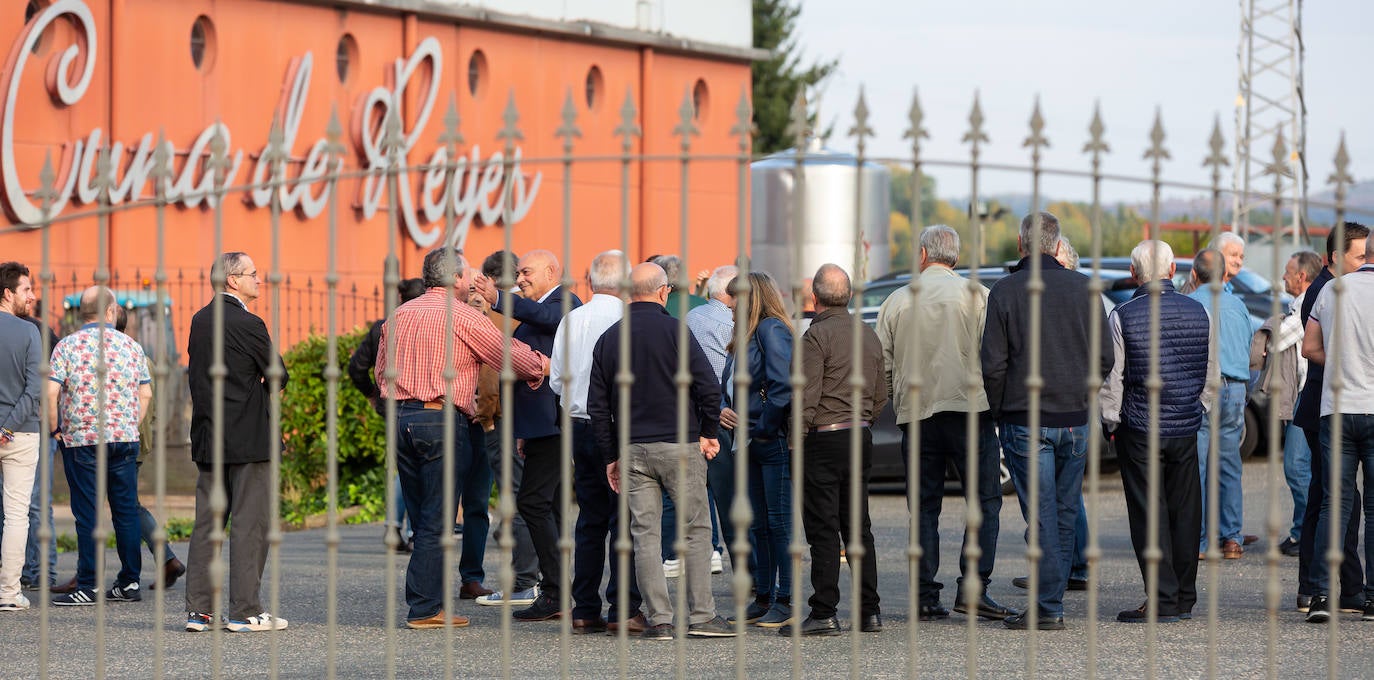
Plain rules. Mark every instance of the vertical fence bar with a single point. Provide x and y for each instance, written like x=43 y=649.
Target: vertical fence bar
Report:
x=390 y=278
x=47 y=194
x=682 y=379
x=219 y=162
x=510 y=134
x=334 y=151
x=1153 y=384
x=973 y=378
x=278 y=154
x=1096 y=146
x=913 y=396
x=800 y=129
x=740 y=513
x=1274 y=466
x=162 y=378
x=628 y=131
x=568 y=131
x=102 y=369
x=1335 y=553
x=1210 y=482
x=858 y=505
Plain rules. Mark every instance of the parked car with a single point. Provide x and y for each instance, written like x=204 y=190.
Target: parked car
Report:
x=888 y=455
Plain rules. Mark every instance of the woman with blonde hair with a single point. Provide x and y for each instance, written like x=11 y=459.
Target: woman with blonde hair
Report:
x=769 y=351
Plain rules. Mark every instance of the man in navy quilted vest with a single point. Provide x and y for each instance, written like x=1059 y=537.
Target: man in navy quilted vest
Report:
x=1127 y=414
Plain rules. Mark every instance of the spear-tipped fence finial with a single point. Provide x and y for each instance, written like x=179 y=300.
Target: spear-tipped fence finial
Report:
x=628 y=129
x=568 y=130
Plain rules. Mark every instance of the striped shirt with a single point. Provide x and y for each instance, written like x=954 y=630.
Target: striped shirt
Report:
x=419 y=327
x=712 y=324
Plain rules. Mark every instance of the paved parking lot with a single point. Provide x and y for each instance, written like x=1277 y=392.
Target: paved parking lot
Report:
x=361 y=640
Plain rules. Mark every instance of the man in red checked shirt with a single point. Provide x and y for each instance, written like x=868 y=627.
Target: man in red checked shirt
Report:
x=424 y=331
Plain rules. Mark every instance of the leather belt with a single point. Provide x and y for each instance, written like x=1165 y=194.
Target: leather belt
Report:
x=436 y=405
x=836 y=427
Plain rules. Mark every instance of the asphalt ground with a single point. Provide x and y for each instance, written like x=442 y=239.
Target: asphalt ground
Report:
x=360 y=643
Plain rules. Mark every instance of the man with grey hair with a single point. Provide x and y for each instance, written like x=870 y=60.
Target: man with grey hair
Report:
x=654 y=460
x=1067 y=255
x=415 y=341
x=93 y=414
x=932 y=336
x=713 y=324
x=570 y=369
x=1232 y=248
x=244 y=444
x=1061 y=437
x=1126 y=416
x=1233 y=359
x=672 y=267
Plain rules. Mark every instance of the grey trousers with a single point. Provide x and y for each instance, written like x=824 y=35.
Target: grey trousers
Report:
x=648 y=471
x=246 y=487
x=524 y=560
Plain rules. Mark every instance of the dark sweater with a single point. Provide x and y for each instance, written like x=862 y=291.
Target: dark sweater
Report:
x=653 y=403
x=1065 y=306
x=1310 y=399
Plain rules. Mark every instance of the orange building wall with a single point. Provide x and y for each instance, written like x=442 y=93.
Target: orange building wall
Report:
x=145 y=82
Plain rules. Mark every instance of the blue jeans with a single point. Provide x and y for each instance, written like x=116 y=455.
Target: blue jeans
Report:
x=1062 y=457
x=770 y=495
x=1297 y=470
x=1231 y=403
x=720 y=482
x=420 y=460
x=1356 y=451
x=121 y=488
x=402 y=521
x=474 y=488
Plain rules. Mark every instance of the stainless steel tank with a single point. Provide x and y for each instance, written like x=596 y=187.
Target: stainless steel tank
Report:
x=826 y=225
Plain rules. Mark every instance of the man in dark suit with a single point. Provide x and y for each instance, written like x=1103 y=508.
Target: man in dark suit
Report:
x=539 y=309
x=244 y=441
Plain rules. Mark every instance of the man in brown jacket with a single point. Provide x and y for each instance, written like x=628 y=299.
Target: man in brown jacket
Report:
x=830 y=419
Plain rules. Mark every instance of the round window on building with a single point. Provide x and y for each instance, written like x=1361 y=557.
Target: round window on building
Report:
x=345 y=57
x=203 y=44
x=596 y=85
x=701 y=100
x=477 y=73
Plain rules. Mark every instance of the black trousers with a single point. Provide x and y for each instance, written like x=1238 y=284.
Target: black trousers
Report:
x=826 y=516
x=1352 y=575
x=1180 y=512
x=537 y=506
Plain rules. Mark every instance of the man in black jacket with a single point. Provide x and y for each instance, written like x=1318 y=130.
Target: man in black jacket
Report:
x=654 y=460
x=244 y=448
x=1352 y=257
x=539 y=309
x=1061 y=434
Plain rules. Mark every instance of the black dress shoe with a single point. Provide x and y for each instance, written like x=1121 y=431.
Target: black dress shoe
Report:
x=1023 y=582
x=873 y=623
x=1289 y=547
x=988 y=608
x=814 y=626
x=1021 y=621
x=933 y=612
x=545 y=608
x=588 y=626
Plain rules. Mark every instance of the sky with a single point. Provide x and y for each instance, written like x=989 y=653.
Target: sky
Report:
x=1177 y=57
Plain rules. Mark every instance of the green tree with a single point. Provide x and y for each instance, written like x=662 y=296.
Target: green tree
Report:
x=778 y=79
x=899 y=194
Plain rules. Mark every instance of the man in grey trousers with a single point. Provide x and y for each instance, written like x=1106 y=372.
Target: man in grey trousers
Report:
x=654 y=461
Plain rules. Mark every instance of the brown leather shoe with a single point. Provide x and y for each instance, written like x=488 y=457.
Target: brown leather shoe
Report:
x=1247 y=539
x=633 y=625
x=437 y=621
x=472 y=590
x=588 y=626
x=172 y=570
x=68 y=587
x=1231 y=550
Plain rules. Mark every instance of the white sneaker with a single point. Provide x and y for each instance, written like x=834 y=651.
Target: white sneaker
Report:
x=717 y=564
x=672 y=568
x=524 y=597
x=19 y=603
x=254 y=624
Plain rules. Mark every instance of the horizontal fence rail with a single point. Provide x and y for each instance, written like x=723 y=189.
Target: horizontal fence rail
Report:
x=348 y=606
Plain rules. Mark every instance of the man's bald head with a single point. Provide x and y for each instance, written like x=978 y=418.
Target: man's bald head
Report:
x=537 y=273
x=97 y=305
x=648 y=283
x=831 y=286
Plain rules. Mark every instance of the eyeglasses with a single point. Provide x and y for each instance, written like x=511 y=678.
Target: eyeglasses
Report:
x=252 y=275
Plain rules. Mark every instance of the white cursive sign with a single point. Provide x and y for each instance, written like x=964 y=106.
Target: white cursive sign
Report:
x=466 y=185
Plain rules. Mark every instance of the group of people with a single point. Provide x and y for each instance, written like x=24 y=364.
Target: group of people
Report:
x=943 y=351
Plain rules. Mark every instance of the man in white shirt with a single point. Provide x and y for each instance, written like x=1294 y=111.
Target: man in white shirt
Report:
x=569 y=374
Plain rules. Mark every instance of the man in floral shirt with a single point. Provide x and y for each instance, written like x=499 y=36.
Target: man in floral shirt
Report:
x=90 y=418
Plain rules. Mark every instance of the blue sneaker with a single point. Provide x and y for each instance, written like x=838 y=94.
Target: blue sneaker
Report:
x=128 y=592
x=81 y=597
x=198 y=623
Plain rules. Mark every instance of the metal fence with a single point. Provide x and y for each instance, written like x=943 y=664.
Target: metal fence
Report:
x=323 y=307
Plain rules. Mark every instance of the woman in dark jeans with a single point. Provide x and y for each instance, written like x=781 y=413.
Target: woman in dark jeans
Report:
x=770 y=461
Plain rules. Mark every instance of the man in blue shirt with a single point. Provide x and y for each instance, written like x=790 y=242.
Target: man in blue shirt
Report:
x=1233 y=356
